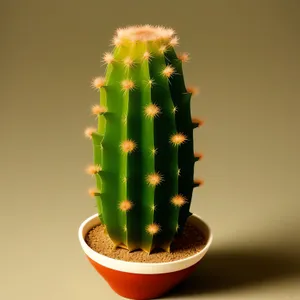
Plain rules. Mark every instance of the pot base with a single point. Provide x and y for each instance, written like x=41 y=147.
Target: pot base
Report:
x=141 y=286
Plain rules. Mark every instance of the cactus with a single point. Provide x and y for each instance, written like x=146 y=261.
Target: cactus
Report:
x=143 y=146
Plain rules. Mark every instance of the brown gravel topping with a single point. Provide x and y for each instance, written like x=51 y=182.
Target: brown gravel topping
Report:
x=188 y=244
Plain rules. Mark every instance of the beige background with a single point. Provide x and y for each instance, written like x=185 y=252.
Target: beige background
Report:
x=245 y=58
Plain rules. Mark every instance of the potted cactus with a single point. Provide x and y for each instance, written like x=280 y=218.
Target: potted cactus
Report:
x=143 y=161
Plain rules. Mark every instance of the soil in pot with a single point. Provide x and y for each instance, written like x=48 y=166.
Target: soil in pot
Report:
x=189 y=243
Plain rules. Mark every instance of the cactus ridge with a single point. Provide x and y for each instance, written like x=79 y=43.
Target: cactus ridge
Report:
x=143 y=145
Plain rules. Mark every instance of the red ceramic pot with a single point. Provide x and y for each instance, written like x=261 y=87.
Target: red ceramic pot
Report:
x=141 y=281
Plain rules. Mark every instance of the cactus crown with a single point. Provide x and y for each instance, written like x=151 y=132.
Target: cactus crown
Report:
x=144 y=33
x=143 y=145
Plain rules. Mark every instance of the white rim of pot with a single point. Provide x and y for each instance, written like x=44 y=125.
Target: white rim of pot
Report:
x=137 y=267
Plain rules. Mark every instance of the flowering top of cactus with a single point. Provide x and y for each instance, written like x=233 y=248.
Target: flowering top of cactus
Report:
x=143 y=146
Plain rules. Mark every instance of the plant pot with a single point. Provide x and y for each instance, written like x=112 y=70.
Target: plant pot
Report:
x=142 y=281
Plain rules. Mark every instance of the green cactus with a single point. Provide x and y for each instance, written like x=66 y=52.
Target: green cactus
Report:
x=143 y=146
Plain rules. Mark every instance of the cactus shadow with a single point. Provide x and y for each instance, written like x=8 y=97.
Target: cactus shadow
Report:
x=230 y=269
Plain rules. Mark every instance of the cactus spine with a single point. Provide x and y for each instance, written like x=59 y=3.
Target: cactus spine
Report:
x=143 y=146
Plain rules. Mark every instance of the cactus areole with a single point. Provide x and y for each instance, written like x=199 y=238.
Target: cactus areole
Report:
x=143 y=146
